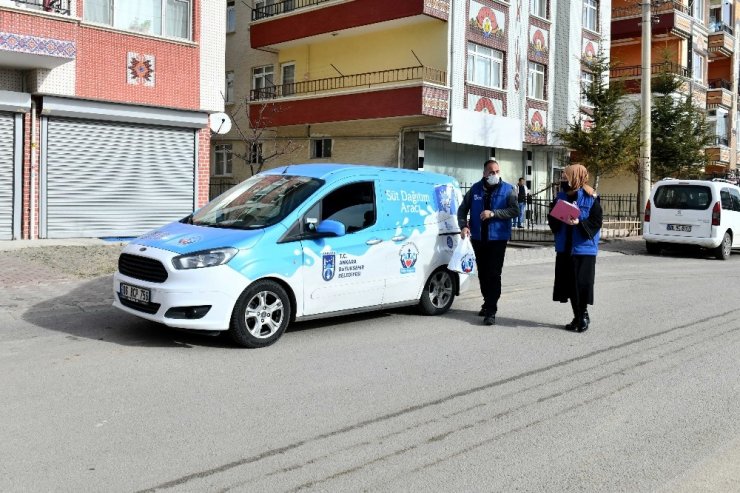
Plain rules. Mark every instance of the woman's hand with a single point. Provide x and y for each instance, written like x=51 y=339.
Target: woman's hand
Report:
x=574 y=221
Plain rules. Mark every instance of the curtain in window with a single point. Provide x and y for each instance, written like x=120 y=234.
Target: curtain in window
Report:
x=177 y=15
x=144 y=16
x=98 y=11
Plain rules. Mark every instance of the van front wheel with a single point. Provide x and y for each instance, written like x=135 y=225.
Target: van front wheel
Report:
x=438 y=294
x=722 y=252
x=261 y=315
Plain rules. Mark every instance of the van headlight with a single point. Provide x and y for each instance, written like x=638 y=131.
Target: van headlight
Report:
x=206 y=258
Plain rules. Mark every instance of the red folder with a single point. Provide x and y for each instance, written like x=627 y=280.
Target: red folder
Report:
x=565 y=211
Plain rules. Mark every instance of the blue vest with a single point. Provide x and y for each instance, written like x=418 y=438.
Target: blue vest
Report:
x=582 y=244
x=498 y=229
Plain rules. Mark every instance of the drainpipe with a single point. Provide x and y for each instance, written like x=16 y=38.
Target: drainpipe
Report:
x=34 y=161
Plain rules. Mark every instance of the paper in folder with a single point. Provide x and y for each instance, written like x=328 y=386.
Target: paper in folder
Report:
x=565 y=211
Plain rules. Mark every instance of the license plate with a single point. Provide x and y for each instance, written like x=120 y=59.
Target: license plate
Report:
x=135 y=293
x=679 y=227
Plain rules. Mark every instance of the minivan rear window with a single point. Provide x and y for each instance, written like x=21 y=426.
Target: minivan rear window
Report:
x=695 y=197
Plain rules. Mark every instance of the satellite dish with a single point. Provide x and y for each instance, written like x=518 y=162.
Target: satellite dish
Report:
x=219 y=123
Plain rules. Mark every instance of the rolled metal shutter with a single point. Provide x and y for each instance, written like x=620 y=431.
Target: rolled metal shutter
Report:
x=116 y=179
x=7 y=155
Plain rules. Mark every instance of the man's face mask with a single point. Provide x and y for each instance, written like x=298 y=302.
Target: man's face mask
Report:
x=492 y=179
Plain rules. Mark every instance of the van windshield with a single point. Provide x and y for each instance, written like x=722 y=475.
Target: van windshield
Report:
x=261 y=201
x=694 y=197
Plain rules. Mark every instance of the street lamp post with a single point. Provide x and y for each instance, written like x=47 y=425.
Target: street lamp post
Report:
x=646 y=103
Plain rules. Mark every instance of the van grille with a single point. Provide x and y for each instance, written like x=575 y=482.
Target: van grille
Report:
x=144 y=268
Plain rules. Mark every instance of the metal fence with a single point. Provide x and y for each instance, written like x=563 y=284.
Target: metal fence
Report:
x=622 y=216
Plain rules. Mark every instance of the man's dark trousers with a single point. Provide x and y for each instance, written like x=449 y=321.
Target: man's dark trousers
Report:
x=489 y=257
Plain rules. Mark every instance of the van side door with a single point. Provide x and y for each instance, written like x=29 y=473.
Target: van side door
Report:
x=344 y=272
x=735 y=222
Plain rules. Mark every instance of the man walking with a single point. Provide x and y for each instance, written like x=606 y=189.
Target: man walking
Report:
x=492 y=204
x=521 y=197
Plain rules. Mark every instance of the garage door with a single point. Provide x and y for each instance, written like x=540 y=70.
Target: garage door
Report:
x=116 y=179
x=6 y=175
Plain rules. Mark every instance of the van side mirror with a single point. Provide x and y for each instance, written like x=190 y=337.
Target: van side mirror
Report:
x=329 y=227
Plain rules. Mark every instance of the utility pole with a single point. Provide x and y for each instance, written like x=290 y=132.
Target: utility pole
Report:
x=646 y=100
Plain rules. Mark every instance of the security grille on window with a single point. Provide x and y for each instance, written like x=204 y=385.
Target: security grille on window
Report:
x=230 y=16
x=485 y=66
x=255 y=153
x=536 y=81
x=590 y=14
x=320 y=148
x=587 y=78
x=222 y=165
x=171 y=18
x=262 y=81
x=229 y=90
x=538 y=8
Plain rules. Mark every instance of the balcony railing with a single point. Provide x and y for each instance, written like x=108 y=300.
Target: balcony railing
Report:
x=721 y=141
x=269 y=10
x=655 y=8
x=720 y=26
x=633 y=71
x=720 y=84
x=56 y=6
x=367 y=79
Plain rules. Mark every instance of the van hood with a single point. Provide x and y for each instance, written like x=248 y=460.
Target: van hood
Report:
x=183 y=238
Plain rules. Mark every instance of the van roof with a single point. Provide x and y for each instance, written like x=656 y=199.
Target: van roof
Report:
x=324 y=171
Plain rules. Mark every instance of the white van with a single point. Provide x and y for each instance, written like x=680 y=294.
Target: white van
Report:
x=296 y=243
x=693 y=212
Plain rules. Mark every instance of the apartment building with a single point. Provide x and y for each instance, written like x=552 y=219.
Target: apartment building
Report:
x=699 y=39
x=104 y=112
x=437 y=85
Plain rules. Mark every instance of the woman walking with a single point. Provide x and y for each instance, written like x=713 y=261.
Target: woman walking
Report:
x=576 y=246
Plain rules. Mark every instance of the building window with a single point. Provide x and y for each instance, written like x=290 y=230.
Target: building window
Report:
x=697 y=68
x=288 y=78
x=229 y=89
x=320 y=148
x=536 y=81
x=230 y=16
x=222 y=163
x=697 y=10
x=171 y=18
x=538 y=8
x=587 y=79
x=262 y=81
x=255 y=153
x=485 y=66
x=590 y=15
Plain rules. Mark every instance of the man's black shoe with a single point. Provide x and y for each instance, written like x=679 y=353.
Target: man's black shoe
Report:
x=490 y=319
x=583 y=323
x=572 y=326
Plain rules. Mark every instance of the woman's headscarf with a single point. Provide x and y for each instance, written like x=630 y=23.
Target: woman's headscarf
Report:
x=577 y=176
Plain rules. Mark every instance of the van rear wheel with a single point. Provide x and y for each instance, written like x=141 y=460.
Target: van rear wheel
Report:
x=438 y=294
x=722 y=252
x=653 y=248
x=261 y=315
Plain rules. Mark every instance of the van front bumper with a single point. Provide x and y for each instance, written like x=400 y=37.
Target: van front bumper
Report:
x=197 y=299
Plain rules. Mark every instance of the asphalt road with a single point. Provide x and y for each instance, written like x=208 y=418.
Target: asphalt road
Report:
x=646 y=400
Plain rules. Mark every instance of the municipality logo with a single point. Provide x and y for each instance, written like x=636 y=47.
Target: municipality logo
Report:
x=328 y=266
x=408 y=255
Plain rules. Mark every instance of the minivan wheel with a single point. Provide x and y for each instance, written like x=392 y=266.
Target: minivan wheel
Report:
x=261 y=315
x=722 y=252
x=438 y=294
x=653 y=248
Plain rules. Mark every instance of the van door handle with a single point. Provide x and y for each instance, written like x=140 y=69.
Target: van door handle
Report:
x=374 y=241
x=399 y=238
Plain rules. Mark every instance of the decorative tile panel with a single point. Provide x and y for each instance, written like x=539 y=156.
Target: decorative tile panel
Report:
x=37 y=45
x=487 y=105
x=437 y=8
x=435 y=102
x=140 y=69
x=536 y=125
x=539 y=45
x=488 y=25
x=589 y=50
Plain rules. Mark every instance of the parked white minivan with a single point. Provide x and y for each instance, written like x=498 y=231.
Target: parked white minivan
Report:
x=693 y=212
